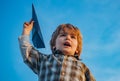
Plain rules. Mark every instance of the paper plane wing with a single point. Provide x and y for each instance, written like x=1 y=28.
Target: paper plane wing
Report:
x=37 y=37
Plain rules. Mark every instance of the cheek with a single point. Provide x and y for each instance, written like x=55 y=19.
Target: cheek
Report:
x=76 y=44
x=57 y=43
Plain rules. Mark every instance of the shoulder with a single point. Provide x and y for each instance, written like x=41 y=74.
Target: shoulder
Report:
x=87 y=72
x=82 y=65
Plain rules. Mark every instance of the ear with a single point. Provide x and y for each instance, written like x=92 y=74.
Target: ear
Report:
x=76 y=52
x=54 y=48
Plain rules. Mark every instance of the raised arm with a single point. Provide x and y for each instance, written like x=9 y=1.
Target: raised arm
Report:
x=30 y=55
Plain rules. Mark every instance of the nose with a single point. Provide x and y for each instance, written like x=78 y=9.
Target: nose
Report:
x=68 y=37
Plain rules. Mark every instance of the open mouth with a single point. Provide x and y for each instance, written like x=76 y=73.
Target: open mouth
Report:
x=67 y=44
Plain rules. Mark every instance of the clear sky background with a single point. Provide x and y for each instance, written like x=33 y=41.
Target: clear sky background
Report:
x=98 y=20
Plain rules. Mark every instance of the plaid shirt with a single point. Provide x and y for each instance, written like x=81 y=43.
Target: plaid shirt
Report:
x=54 y=67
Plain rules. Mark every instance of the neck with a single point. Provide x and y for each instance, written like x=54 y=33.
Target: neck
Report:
x=60 y=52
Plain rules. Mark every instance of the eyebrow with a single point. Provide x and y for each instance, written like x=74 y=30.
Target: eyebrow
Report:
x=68 y=33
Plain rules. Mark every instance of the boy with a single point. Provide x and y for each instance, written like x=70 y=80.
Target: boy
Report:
x=63 y=64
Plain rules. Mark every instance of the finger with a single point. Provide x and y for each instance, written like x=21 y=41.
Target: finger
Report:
x=26 y=23
x=31 y=21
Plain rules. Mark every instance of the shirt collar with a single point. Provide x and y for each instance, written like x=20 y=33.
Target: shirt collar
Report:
x=58 y=52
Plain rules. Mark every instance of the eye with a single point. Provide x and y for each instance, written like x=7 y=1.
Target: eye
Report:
x=62 y=35
x=73 y=36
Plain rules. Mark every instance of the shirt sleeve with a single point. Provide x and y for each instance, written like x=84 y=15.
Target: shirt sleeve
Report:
x=30 y=55
x=87 y=73
x=89 y=76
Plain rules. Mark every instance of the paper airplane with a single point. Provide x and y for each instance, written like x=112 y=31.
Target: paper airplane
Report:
x=37 y=38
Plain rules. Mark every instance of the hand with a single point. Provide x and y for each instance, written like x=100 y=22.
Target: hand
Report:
x=27 y=27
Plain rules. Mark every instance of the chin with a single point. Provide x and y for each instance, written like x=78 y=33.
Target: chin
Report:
x=67 y=53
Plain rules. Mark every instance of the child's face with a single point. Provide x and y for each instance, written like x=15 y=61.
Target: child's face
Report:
x=66 y=42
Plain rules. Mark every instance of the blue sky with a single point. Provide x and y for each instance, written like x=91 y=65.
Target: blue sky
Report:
x=98 y=20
